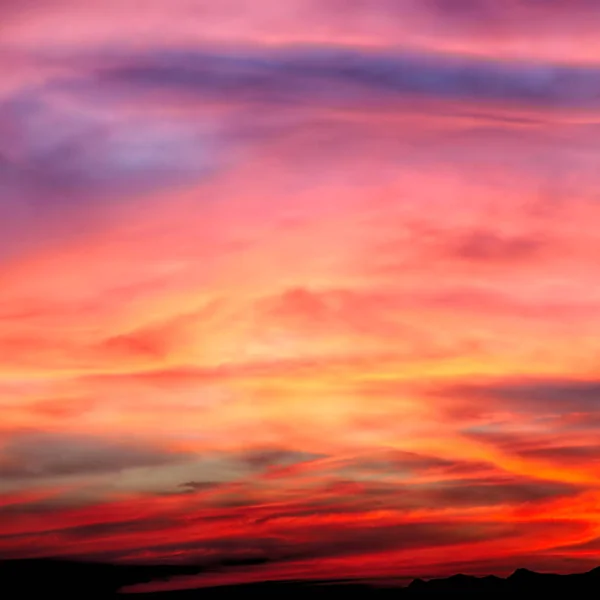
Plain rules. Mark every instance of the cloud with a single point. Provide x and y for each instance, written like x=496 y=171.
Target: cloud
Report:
x=496 y=492
x=480 y=27
x=93 y=531
x=397 y=461
x=326 y=76
x=591 y=546
x=539 y=396
x=506 y=18
x=267 y=458
x=574 y=455
x=45 y=455
x=65 y=150
x=553 y=444
x=478 y=491
x=330 y=543
x=189 y=487
x=405 y=466
x=67 y=169
x=489 y=247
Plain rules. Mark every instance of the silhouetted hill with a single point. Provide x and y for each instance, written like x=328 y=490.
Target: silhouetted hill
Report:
x=521 y=581
x=66 y=580
x=45 y=578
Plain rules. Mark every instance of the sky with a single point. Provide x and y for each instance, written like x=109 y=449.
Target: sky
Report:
x=301 y=289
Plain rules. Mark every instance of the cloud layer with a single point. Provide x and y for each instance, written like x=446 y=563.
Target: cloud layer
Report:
x=287 y=298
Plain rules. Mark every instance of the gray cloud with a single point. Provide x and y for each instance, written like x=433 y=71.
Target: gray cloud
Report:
x=68 y=150
x=546 y=395
x=495 y=491
x=469 y=492
x=396 y=459
x=41 y=455
x=190 y=487
x=66 y=169
x=399 y=463
x=321 y=75
x=276 y=457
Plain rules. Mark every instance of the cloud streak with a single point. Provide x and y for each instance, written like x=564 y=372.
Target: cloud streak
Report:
x=338 y=77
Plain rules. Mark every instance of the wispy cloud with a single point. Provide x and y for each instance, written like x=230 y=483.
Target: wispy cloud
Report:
x=329 y=76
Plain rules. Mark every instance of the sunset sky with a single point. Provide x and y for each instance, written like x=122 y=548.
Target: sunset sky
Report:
x=301 y=288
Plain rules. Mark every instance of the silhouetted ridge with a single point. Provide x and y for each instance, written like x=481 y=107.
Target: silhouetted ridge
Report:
x=61 y=579
x=43 y=578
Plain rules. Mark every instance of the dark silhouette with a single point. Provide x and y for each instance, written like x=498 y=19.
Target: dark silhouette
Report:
x=45 y=578
x=62 y=579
